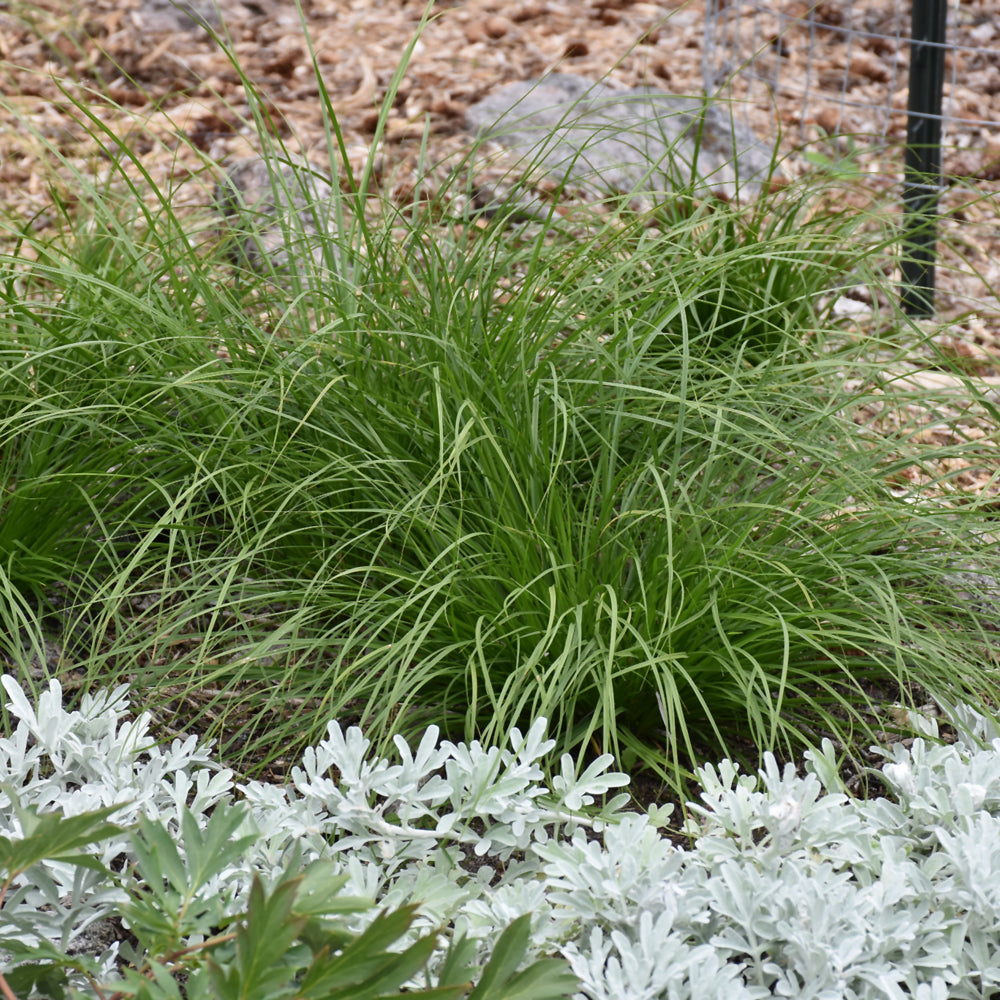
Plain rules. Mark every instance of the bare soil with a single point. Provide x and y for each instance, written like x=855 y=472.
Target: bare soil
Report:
x=147 y=71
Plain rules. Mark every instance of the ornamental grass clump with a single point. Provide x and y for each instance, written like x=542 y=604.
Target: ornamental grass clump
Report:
x=489 y=471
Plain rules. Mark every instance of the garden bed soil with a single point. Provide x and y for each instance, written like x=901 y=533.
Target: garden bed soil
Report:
x=152 y=75
x=149 y=72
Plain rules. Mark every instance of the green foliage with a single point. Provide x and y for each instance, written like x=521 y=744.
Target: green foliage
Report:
x=441 y=471
x=283 y=948
x=55 y=837
x=762 y=272
x=171 y=900
x=291 y=940
x=48 y=836
x=469 y=475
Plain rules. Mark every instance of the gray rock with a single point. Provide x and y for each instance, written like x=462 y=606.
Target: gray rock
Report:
x=179 y=15
x=566 y=127
x=96 y=938
x=978 y=592
x=606 y=140
x=278 y=213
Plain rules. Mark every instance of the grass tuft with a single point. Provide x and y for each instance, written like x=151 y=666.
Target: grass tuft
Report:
x=486 y=472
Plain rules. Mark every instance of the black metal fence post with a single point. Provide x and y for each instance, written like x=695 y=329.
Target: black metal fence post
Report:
x=922 y=175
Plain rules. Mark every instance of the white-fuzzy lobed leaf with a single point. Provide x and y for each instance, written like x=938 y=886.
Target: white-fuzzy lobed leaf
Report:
x=792 y=888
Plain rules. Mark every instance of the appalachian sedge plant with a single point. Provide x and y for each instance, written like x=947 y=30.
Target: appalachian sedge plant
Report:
x=467 y=473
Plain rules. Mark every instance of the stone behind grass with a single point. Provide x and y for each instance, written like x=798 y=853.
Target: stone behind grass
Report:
x=610 y=140
x=563 y=129
x=277 y=212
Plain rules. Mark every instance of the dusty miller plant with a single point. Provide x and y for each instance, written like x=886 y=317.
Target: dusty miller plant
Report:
x=791 y=888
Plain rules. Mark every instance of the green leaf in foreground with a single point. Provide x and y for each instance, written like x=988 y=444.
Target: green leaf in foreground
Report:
x=365 y=968
x=542 y=980
x=48 y=980
x=268 y=960
x=170 y=902
x=261 y=970
x=51 y=836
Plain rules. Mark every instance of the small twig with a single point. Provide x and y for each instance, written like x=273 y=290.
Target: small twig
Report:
x=210 y=943
x=5 y=989
x=170 y=959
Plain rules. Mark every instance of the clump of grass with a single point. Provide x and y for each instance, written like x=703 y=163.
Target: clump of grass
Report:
x=483 y=474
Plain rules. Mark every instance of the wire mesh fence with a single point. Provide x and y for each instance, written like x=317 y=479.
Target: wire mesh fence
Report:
x=835 y=77
x=844 y=64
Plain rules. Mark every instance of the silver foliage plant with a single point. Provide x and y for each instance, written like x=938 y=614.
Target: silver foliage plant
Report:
x=792 y=888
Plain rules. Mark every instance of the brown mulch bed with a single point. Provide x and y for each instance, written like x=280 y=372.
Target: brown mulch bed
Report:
x=148 y=72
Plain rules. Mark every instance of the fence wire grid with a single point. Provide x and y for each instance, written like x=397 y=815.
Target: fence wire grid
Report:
x=834 y=75
x=843 y=65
